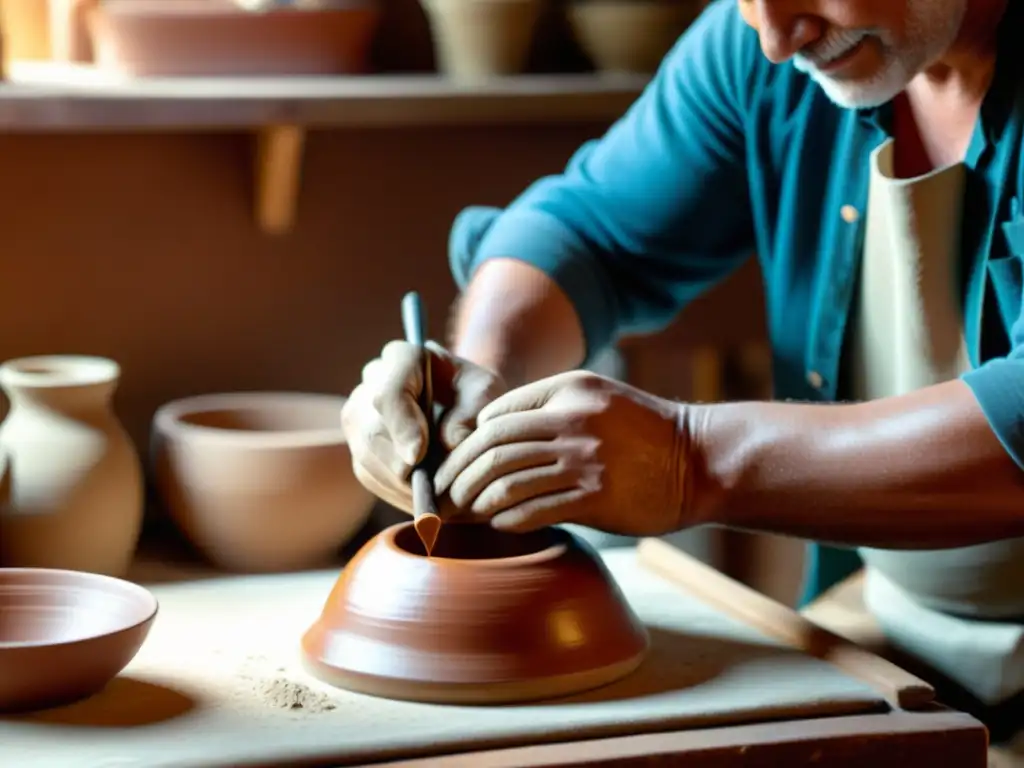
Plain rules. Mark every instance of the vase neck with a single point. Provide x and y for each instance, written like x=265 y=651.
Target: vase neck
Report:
x=64 y=384
x=86 y=398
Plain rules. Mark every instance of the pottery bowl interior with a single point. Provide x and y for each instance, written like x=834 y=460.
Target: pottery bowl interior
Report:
x=65 y=634
x=489 y=617
x=259 y=480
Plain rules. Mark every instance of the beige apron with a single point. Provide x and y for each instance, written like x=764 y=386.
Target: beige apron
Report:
x=949 y=607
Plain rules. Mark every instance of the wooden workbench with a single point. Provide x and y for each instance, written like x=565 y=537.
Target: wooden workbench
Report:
x=842 y=610
x=220 y=636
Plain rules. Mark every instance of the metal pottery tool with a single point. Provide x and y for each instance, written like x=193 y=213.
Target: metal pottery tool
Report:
x=424 y=505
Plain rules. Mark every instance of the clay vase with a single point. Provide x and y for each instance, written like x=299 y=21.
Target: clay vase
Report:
x=630 y=36
x=475 y=40
x=259 y=481
x=489 y=618
x=76 y=493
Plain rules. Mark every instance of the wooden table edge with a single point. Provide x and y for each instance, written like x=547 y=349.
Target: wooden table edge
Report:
x=938 y=738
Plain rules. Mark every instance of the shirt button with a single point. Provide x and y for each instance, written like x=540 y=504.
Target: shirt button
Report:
x=814 y=379
x=849 y=214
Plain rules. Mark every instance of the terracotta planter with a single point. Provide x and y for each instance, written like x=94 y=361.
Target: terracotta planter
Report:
x=217 y=37
x=75 y=482
x=259 y=481
x=489 y=618
x=478 y=39
x=630 y=35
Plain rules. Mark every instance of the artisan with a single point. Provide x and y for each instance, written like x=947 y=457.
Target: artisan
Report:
x=870 y=153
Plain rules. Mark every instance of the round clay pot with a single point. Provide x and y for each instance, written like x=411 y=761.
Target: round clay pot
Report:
x=489 y=618
x=64 y=634
x=475 y=40
x=630 y=36
x=259 y=481
x=186 y=38
x=984 y=581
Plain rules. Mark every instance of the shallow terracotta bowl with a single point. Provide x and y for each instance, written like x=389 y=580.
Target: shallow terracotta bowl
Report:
x=489 y=618
x=65 y=634
x=259 y=481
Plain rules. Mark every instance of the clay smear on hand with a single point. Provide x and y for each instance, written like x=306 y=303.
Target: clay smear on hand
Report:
x=428 y=527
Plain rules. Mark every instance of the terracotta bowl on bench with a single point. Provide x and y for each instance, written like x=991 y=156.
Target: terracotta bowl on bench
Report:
x=65 y=634
x=488 y=618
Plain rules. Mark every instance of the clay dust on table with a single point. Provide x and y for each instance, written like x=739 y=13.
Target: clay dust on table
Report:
x=287 y=694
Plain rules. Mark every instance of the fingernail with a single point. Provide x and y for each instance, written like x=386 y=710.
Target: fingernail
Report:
x=456 y=434
x=412 y=453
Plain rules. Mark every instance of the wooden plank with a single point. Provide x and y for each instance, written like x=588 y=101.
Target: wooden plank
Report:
x=64 y=97
x=278 y=175
x=938 y=738
x=777 y=621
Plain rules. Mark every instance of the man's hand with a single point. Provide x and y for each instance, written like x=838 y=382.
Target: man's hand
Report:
x=385 y=427
x=572 y=448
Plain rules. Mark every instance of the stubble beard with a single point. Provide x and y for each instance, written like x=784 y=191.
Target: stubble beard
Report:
x=932 y=26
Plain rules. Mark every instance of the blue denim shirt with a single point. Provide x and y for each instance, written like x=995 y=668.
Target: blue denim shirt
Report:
x=726 y=154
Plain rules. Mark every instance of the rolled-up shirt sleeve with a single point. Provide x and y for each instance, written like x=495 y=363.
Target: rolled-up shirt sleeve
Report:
x=998 y=386
x=653 y=213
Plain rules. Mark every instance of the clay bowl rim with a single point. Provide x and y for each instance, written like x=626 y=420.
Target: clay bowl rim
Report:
x=562 y=541
x=109 y=585
x=168 y=421
x=59 y=370
x=203 y=9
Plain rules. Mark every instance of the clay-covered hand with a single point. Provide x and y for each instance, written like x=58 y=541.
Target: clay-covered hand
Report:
x=385 y=428
x=573 y=448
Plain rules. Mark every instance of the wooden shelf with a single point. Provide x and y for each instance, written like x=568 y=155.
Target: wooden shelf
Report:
x=43 y=97
x=56 y=97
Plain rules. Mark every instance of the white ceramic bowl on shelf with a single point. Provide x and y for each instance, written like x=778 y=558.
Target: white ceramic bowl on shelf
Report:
x=259 y=481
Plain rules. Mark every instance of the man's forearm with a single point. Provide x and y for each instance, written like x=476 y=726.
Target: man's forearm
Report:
x=920 y=471
x=516 y=321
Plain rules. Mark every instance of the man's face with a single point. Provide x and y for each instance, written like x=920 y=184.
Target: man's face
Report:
x=861 y=52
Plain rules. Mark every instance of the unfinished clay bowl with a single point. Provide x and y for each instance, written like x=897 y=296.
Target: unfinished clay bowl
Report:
x=187 y=38
x=65 y=634
x=259 y=481
x=489 y=618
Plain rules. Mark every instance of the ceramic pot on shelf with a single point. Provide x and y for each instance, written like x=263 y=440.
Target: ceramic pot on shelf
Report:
x=630 y=36
x=26 y=25
x=197 y=38
x=70 y=40
x=75 y=480
x=475 y=40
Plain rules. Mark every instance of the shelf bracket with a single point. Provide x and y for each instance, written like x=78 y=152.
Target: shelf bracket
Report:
x=278 y=176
